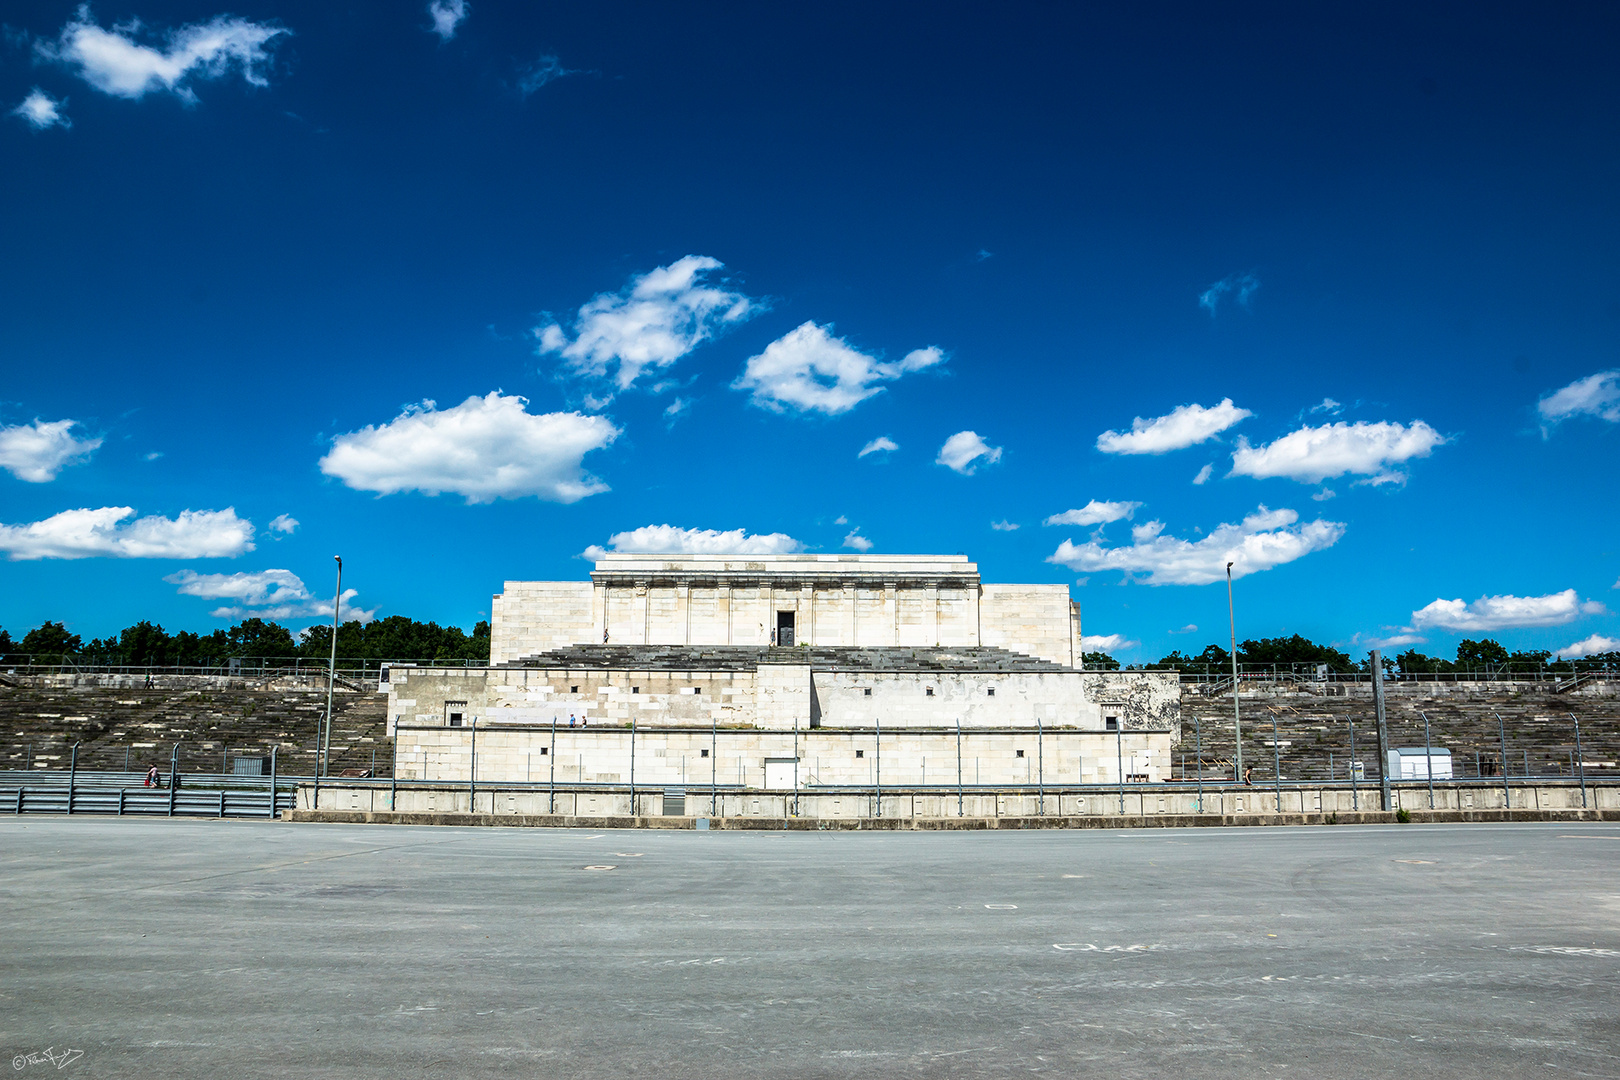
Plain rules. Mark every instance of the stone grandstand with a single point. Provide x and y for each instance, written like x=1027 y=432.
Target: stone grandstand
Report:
x=1313 y=726
x=41 y=717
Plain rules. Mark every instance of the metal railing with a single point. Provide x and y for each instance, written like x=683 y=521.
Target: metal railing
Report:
x=125 y=794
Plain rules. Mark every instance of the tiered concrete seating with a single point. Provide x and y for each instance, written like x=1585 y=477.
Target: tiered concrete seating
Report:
x=44 y=722
x=1313 y=721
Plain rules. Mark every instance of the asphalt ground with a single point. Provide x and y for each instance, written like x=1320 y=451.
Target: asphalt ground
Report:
x=244 y=949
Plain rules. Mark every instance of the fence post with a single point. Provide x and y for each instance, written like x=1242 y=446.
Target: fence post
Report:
x=1198 y=733
x=877 y=725
x=1276 y=760
x=1040 y=768
x=1377 y=671
x=174 y=775
x=1428 y=757
x=1355 y=789
x=273 y=782
x=73 y=768
x=1119 y=757
x=1580 y=757
x=959 y=766
x=633 y=765
x=1507 y=792
x=472 y=762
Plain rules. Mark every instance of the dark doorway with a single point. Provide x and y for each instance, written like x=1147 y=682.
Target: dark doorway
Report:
x=784 y=628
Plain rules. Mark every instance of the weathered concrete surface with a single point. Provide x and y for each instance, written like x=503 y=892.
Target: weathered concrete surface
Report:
x=214 y=949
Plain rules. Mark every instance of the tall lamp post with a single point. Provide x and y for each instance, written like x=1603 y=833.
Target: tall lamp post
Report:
x=1237 y=717
x=331 y=671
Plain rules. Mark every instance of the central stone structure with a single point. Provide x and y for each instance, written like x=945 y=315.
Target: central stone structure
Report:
x=783 y=672
x=847 y=601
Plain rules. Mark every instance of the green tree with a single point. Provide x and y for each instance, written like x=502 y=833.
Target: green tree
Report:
x=1413 y=662
x=1290 y=651
x=50 y=639
x=1099 y=661
x=1480 y=654
x=6 y=644
x=256 y=637
x=1529 y=659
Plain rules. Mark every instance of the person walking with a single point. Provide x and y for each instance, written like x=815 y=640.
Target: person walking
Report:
x=570 y=719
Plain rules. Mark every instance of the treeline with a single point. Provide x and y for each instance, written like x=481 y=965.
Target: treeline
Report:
x=1301 y=653
x=148 y=645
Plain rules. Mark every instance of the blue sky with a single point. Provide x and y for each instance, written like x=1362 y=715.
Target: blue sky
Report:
x=1117 y=295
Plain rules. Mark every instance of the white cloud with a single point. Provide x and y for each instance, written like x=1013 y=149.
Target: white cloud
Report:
x=484 y=449
x=1190 y=628
x=840 y=520
x=856 y=541
x=880 y=444
x=1502 y=612
x=673 y=540
x=1146 y=531
x=1324 y=495
x=1095 y=513
x=655 y=320
x=255 y=589
x=1242 y=285
x=84 y=534
x=674 y=409
x=1004 y=526
x=1395 y=641
x=37 y=452
x=113 y=62
x=545 y=70
x=1107 y=643
x=1264 y=539
x=42 y=111
x=447 y=15
x=1596 y=395
x=963 y=450
x=1183 y=426
x=264 y=594
x=1597 y=643
x=283 y=523
x=1328 y=407
x=1203 y=474
x=1312 y=454
x=810 y=370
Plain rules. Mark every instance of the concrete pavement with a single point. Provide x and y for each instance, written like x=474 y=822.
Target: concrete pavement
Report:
x=235 y=948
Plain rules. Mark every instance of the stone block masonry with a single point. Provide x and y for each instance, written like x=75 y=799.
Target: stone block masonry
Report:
x=846 y=601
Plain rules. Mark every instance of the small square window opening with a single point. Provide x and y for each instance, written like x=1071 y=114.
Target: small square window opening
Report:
x=860 y=753
x=544 y=750
x=867 y=691
x=1020 y=753
x=930 y=691
x=705 y=753
x=990 y=692
x=573 y=689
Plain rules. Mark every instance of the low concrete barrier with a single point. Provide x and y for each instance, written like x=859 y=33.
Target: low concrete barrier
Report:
x=1140 y=805
x=1117 y=821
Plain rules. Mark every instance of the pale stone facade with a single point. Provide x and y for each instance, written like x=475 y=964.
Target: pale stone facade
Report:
x=850 y=601
x=772 y=671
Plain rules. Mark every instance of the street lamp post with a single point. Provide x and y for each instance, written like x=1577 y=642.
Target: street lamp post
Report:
x=331 y=671
x=1237 y=717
